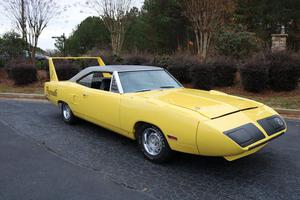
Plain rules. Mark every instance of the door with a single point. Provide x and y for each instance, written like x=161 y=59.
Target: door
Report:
x=96 y=102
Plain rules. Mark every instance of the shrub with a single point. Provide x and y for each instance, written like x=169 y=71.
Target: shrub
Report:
x=42 y=65
x=224 y=72
x=202 y=76
x=179 y=66
x=284 y=71
x=89 y=63
x=254 y=75
x=161 y=61
x=136 y=59
x=23 y=74
x=66 y=71
x=236 y=43
x=2 y=63
x=112 y=59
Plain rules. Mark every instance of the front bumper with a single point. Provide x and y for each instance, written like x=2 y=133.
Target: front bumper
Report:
x=251 y=139
x=249 y=134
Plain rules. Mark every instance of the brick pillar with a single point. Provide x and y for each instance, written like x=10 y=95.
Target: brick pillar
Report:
x=279 y=42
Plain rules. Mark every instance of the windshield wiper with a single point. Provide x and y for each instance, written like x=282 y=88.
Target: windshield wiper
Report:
x=167 y=86
x=143 y=90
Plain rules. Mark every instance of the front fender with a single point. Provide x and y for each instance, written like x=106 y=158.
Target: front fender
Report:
x=173 y=121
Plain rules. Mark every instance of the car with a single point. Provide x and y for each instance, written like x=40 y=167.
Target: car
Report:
x=149 y=105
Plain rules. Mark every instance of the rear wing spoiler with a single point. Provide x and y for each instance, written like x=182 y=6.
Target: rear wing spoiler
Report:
x=52 y=71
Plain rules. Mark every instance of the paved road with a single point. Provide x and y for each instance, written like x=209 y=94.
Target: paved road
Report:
x=102 y=159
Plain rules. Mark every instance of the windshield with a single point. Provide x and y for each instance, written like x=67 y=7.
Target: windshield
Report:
x=141 y=81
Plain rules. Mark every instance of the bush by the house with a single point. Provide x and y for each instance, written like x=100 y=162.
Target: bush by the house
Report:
x=179 y=66
x=23 y=74
x=202 y=76
x=224 y=72
x=254 y=75
x=66 y=71
x=284 y=71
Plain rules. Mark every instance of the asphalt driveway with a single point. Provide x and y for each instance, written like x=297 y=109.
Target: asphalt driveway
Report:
x=43 y=158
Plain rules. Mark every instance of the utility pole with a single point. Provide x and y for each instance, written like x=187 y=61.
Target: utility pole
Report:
x=62 y=39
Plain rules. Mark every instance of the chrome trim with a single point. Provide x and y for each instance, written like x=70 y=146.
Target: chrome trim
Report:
x=117 y=78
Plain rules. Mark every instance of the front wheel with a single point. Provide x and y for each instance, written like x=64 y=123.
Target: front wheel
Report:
x=153 y=144
x=67 y=114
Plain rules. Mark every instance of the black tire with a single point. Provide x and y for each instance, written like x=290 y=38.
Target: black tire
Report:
x=165 y=152
x=70 y=117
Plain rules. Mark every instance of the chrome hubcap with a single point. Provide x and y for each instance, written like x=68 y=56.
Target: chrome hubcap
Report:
x=152 y=141
x=66 y=112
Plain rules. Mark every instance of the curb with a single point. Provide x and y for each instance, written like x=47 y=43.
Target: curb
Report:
x=22 y=96
x=289 y=113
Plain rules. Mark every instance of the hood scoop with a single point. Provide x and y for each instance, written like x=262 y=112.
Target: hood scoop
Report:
x=208 y=104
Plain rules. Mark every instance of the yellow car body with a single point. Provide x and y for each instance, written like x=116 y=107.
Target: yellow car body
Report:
x=208 y=123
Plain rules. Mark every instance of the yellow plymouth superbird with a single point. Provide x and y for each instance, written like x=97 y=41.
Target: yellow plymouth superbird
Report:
x=147 y=104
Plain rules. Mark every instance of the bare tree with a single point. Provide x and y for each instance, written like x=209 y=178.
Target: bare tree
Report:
x=15 y=11
x=114 y=14
x=31 y=18
x=205 y=16
x=39 y=13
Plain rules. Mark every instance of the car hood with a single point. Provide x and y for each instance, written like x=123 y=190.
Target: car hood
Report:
x=211 y=104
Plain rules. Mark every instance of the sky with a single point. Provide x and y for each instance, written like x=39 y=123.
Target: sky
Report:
x=66 y=23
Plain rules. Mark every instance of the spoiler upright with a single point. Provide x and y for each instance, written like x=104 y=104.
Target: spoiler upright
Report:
x=52 y=71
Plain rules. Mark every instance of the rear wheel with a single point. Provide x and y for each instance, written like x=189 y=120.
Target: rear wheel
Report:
x=67 y=114
x=153 y=144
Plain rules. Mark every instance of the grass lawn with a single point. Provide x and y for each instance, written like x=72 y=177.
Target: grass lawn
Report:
x=7 y=85
x=30 y=89
x=290 y=100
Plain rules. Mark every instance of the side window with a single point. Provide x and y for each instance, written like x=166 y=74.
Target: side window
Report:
x=86 y=81
x=114 y=86
x=97 y=79
x=92 y=80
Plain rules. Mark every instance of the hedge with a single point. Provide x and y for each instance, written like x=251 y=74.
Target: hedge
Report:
x=66 y=71
x=202 y=76
x=180 y=66
x=224 y=73
x=2 y=63
x=42 y=65
x=23 y=74
x=254 y=76
x=161 y=61
x=284 y=71
x=137 y=60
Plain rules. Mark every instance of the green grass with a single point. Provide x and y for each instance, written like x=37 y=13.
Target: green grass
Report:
x=278 y=101
x=33 y=89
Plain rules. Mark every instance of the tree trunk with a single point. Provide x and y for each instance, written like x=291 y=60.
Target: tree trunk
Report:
x=117 y=40
x=205 y=45
x=33 y=51
x=197 y=42
x=113 y=43
x=202 y=43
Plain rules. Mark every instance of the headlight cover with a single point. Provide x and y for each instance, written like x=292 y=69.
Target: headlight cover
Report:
x=245 y=135
x=272 y=124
